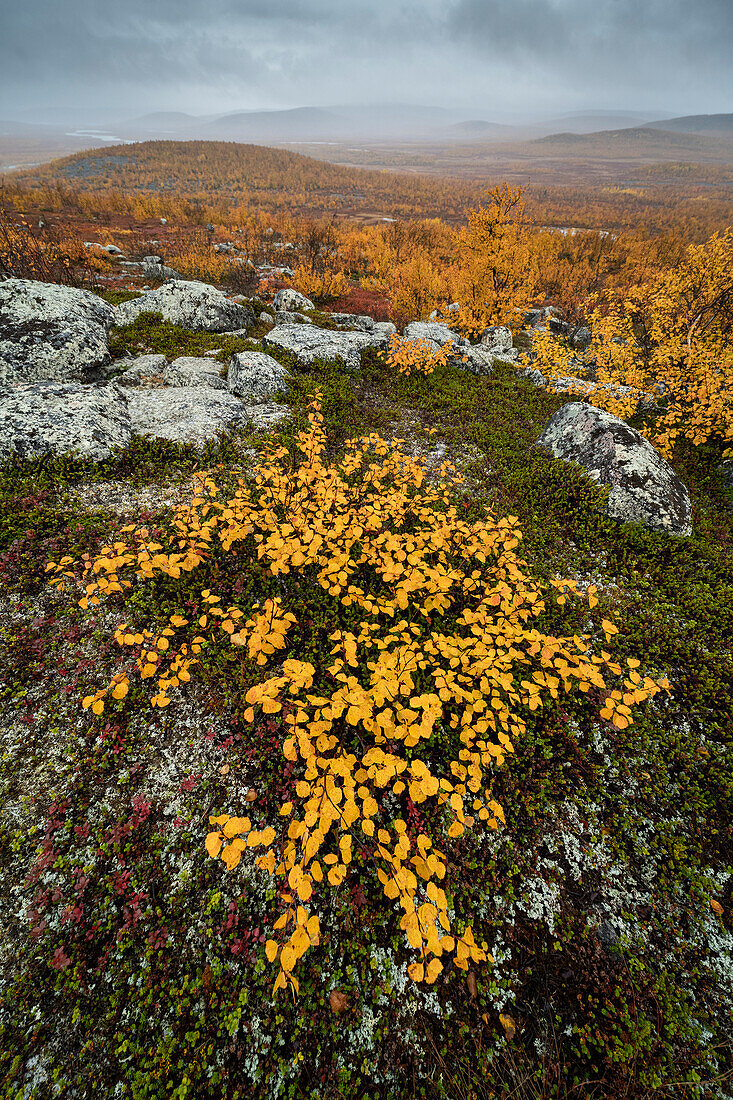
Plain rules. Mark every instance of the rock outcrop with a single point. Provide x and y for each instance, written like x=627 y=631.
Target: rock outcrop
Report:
x=497 y=337
x=141 y=369
x=192 y=305
x=310 y=343
x=643 y=486
x=50 y=332
x=59 y=417
x=361 y=322
x=184 y=414
x=188 y=370
x=291 y=300
x=256 y=376
x=433 y=330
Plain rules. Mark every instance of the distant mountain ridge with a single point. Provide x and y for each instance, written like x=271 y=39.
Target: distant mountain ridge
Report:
x=695 y=124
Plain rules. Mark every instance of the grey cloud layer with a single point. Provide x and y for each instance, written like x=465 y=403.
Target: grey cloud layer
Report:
x=227 y=54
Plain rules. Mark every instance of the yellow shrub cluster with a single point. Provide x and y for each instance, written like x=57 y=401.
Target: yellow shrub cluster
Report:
x=416 y=356
x=670 y=338
x=435 y=658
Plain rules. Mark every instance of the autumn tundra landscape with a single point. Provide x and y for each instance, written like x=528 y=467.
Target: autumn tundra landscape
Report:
x=366 y=609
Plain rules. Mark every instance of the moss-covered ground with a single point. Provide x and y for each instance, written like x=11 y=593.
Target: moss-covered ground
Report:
x=132 y=965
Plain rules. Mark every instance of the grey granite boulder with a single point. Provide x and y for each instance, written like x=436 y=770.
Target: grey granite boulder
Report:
x=51 y=333
x=140 y=369
x=291 y=300
x=498 y=337
x=310 y=343
x=287 y=317
x=192 y=305
x=256 y=376
x=188 y=370
x=62 y=417
x=361 y=322
x=432 y=330
x=184 y=414
x=643 y=486
x=196 y=415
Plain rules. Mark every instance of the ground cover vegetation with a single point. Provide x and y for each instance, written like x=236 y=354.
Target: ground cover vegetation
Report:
x=372 y=758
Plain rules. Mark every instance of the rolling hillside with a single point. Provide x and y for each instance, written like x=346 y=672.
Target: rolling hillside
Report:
x=273 y=179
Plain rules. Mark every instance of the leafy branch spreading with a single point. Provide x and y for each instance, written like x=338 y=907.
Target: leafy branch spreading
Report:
x=669 y=339
x=418 y=694
x=417 y=356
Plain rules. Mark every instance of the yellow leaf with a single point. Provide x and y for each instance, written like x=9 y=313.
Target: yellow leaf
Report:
x=213 y=844
x=508 y=1024
x=271 y=950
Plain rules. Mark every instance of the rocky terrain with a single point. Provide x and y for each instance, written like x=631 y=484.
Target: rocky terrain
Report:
x=130 y=963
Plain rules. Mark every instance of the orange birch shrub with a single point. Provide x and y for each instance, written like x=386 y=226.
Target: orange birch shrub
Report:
x=496 y=274
x=671 y=338
x=435 y=659
x=416 y=356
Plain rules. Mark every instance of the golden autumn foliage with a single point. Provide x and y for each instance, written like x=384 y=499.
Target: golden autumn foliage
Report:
x=435 y=659
x=416 y=356
x=496 y=271
x=670 y=338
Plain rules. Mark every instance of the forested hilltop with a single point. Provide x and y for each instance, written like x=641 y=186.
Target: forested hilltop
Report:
x=214 y=180
x=366 y=633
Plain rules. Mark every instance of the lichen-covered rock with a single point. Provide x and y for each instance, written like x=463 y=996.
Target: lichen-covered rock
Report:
x=287 y=317
x=184 y=414
x=310 y=343
x=256 y=376
x=140 y=369
x=289 y=299
x=643 y=486
x=267 y=414
x=196 y=306
x=361 y=322
x=188 y=370
x=498 y=337
x=51 y=333
x=432 y=330
x=196 y=415
x=62 y=417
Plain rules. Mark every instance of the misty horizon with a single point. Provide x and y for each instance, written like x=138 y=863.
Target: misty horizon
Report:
x=86 y=62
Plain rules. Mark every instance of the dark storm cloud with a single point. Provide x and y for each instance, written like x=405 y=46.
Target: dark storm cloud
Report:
x=217 y=55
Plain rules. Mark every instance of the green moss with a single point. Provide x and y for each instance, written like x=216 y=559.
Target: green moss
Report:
x=149 y=333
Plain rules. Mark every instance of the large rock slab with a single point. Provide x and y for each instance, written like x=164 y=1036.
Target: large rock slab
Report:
x=188 y=370
x=292 y=300
x=196 y=415
x=256 y=376
x=361 y=322
x=192 y=305
x=498 y=337
x=310 y=343
x=51 y=333
x=432 y=330
x=643 y=486
x=62 y=417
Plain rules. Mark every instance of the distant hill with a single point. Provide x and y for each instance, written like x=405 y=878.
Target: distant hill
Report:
x=161 y=122
x=479 y=128
x=639 y=141
x=251 y=175
x=696 y=124
x=588 y=122
x=298 y=124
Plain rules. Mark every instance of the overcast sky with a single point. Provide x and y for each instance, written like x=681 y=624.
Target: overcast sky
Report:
x=492 y=58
